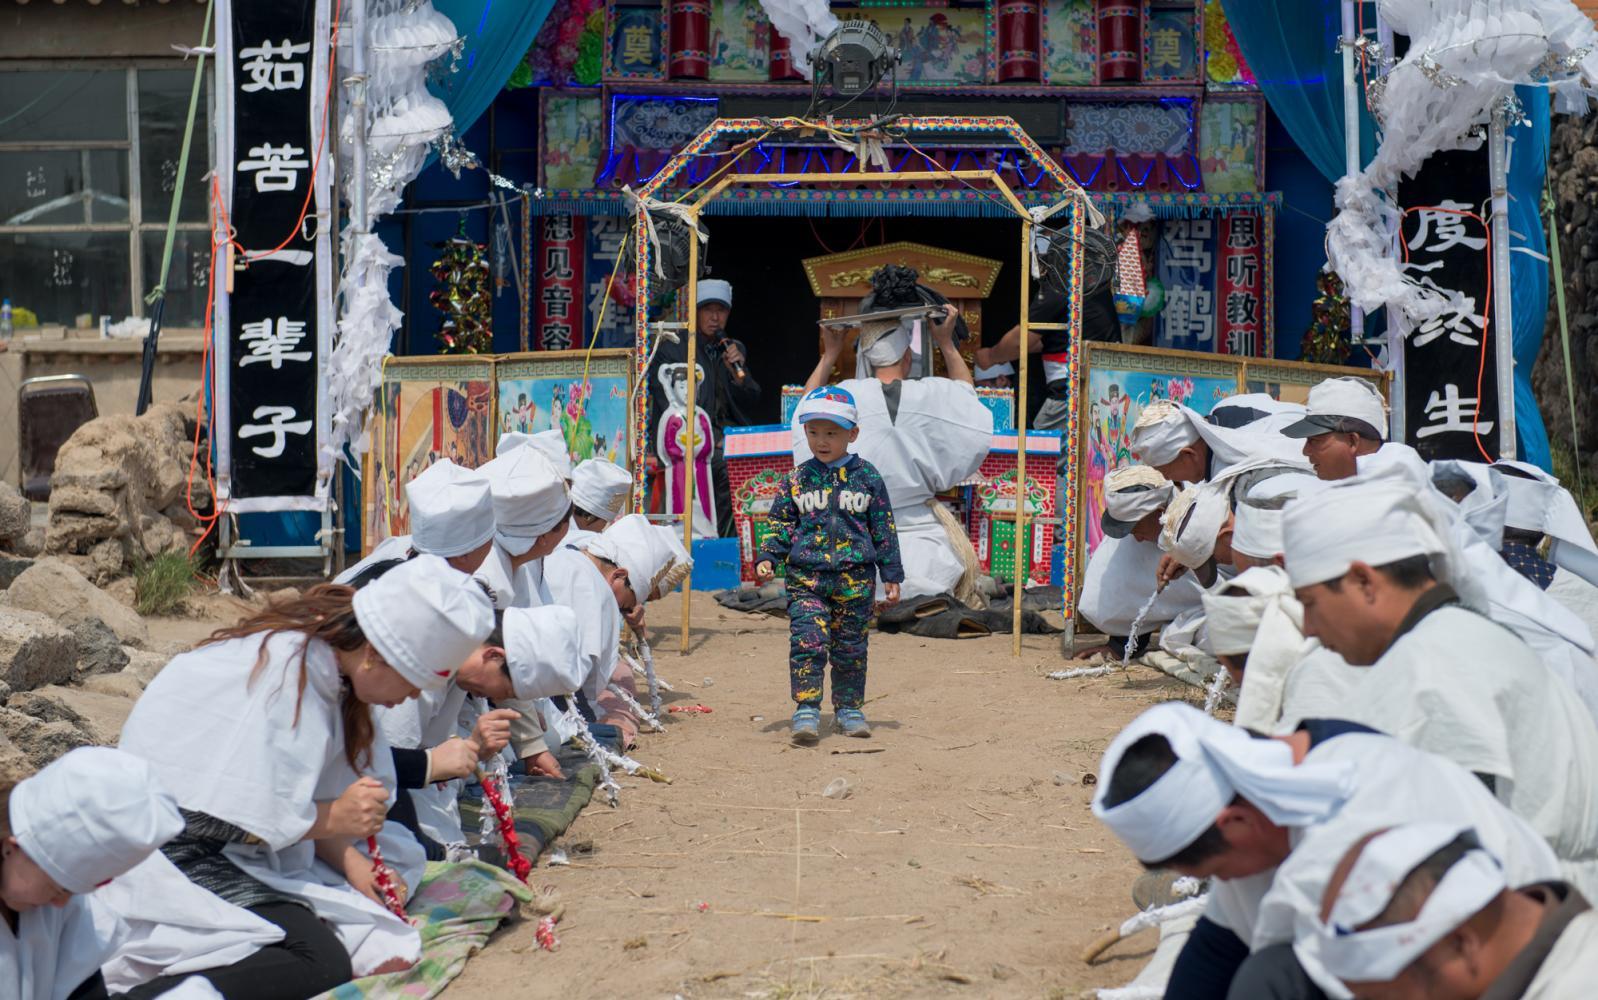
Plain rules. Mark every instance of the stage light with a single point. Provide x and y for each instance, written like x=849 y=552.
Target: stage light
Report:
x=1052 y=291
x=674 y=234
x=853 y=59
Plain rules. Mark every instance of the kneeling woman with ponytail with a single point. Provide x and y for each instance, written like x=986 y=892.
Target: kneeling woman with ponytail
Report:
x=264 y=734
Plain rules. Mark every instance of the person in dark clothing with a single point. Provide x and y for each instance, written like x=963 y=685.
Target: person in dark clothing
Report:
x=727 y=392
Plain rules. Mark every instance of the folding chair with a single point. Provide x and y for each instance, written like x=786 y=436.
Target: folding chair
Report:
x=49 y=409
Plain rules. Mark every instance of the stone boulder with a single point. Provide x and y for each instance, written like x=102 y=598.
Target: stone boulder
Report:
x=99 y=650
x=31 y=544
x=52 y=587
x=41 y=742
x=121 y=685
x=144 y=665
x=34 y=650
x=12 y=567
x=113 y=479
x=14 y=764
x=16 y=514
x=100 y=716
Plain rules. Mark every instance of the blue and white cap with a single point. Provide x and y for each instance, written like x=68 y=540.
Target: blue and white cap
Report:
x=830 y=402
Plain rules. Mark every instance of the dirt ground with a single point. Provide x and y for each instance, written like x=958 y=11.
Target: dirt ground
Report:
x=964 y=861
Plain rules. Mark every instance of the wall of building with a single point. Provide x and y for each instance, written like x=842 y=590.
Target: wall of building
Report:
x=80 y=31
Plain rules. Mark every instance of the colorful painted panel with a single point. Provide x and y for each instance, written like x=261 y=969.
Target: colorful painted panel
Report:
x=1229 y=143
x=1138 y=127
x=635 y=47
x=938 y=45
x=658 y=124
x=737 y=41
x=1070 y=43
x=573 y=140
x=427 y=411
x=1223 y=63
x=548 y=391
x=1170 y=47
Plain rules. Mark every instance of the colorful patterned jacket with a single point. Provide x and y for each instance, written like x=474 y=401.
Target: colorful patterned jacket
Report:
x=834 y=519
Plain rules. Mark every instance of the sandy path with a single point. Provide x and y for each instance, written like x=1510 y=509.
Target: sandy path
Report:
x=960 y=864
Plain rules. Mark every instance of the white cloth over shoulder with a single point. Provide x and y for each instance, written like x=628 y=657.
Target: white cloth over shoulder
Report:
x=246 y=746
x=391 y=548
x=56 y=948
x=1164 y=428
x=937 y=440
x=1120 y=578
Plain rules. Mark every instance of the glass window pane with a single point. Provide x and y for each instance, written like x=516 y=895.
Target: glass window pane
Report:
x=61 y=105
x=60 y=275
x=163 y=112
x=63 y=187
x=188 y=280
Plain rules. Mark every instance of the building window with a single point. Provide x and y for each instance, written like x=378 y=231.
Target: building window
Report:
x=88 y=170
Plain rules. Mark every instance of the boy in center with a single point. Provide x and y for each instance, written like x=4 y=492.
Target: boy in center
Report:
x=833 y=526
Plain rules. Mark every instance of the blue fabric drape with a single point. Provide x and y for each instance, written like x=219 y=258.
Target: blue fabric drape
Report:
x=1292 y=49
x=1528 y=159
x=498 y=34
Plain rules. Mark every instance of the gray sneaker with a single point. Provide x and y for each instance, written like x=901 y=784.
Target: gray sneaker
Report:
x=852 y=722
x=806 y=731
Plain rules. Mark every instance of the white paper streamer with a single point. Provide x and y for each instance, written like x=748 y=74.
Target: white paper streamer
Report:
x=804 y=23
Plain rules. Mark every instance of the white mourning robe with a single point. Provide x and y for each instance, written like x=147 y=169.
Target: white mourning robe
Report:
x=56 y=948
x=1577 y=595
x=937 y=440
x=1316 y=687
x=1571 y=968
x=421 y=724
x=392 y=547
x=575 y=582
x=1396 y=784
x=1460 y=686
x=519 y=587
x=255 y=753
x=1120 y=578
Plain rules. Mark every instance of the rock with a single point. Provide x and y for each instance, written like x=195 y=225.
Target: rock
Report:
x=99 y=652
x=56 y=589
x=98 y=714
x=281 y=595
x=29 y=545
x=16 y=514
x=12 y=567
x=120 y=685
x=45 y=704
x=41 y=742
x=124 y=589
x=5 y=692
x=34 y=649
x=144 y=664
x=14 y=764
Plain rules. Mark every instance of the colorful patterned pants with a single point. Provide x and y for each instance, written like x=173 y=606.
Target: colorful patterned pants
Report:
x=828 y=614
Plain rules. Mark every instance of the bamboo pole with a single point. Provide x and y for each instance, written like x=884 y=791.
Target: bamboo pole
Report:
x=1019 y=579
x=692 y=327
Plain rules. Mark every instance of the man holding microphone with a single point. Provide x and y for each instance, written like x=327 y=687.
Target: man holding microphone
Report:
x=727 y=392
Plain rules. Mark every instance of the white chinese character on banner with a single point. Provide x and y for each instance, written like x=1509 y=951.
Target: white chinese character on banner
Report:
x=1188 y=313
x=275 y=344
x=1185 y=244
x=279 y=423
x=276 y=168
x=267 y=74
x=1463 y=325
x=1449 y=413
x=608 y=234
x=1447 y=227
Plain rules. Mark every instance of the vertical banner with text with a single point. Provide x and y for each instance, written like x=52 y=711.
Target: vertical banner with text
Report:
x=274 y=325
x=559 y=299
x=1240 y=284
x=1186 y=261
x=1451 y=383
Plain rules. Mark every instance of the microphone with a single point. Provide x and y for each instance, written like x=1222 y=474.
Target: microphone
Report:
x=737 y=366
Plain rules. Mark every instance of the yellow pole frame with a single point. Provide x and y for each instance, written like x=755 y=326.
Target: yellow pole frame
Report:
x=990 y=176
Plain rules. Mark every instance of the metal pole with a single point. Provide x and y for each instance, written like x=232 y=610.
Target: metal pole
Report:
x=693 y=426
x=1019 y=578
x=1503 y=303
x=1397 y=424
x=356 y=81
x=1356 y=315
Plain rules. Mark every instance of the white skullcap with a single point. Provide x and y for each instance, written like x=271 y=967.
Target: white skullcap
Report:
x=1191 y=521
x=553 y=444
x=1336 y=949
x=1215 y=762
x=1266 y=622
x=1257 y=531
x=992 y=371
x=714 y=290
x=1130 y=494
x=91 y=815
x=510 y=441
x=1347 y=404
x=424 y=618
x=1373 y=522
x=530 y=497
x=1486 y=505
x=1161 y=432
x=601 y=488
x=652 y=555
x=541 y=651
x=452 y=510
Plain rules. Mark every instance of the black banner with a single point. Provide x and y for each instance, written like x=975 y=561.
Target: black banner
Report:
x=1450 y=369
x=273 y=318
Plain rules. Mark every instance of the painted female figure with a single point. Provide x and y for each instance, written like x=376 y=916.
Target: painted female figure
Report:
x=671 y=445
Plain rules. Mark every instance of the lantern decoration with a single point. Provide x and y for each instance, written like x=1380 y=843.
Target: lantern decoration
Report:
x=690 y=39
x=1120 y=41
x=1018 y=41
x=779 y=65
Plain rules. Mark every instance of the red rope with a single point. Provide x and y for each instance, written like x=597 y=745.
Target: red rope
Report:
x=384 y=876
x=519 y=865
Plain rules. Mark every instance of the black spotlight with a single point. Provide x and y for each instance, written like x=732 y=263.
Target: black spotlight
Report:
x=852 y=61
x=674 y=235
x=1052 y=290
